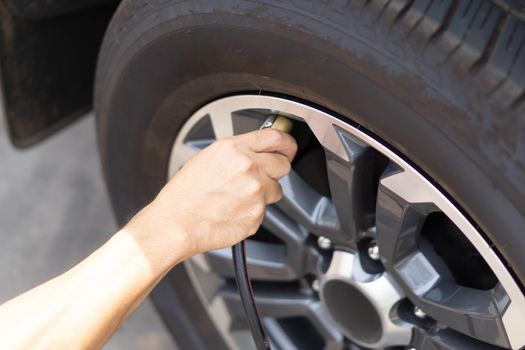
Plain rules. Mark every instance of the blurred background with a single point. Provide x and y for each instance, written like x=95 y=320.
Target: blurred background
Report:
x=54 y=211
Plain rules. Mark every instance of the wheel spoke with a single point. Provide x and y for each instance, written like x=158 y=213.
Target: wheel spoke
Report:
x=307 y=207
x=283 y=227
x=279 y=338
x=353 y=185
x=422 y=274
x=472 y=312
x=222 y=123
x=265 y=261
x=272 y=261
x=398 y=222
x=282 y=302
x=300 y=257
x=447 y=339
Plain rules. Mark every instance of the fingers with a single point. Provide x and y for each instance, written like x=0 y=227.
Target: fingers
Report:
x=270 y=141
x=273 y=153
x=274 y=165
x=272 y=191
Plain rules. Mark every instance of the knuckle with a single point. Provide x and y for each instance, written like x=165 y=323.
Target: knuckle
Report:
x=255 y=188
x=294 y=145
x=246 y=164
x=227 y=144
x=287 y=167
x=275 y=136
x=219 y=145
x=279 y=193
x=259 y=211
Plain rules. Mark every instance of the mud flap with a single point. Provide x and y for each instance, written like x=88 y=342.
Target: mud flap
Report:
x=47 y=69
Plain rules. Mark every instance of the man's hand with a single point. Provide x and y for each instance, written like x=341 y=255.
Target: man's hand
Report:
x=219 y=197
x=216 y=200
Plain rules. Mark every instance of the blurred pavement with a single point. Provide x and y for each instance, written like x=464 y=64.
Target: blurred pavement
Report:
x=54 y=211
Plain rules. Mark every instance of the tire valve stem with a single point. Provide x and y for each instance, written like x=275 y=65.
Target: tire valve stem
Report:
x=242 y=277
x=278 y=122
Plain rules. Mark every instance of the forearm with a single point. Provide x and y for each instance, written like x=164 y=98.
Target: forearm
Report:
x=82 y=307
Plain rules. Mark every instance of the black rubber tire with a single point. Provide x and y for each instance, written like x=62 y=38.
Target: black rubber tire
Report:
x=441 y=81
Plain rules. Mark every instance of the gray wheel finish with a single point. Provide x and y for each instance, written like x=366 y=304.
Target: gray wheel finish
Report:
x=404 y=199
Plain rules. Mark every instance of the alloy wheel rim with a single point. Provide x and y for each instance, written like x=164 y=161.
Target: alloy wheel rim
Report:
x=302 y=268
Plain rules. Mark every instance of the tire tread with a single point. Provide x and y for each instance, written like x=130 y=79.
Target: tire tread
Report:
x=474 y=38
x=479 y=39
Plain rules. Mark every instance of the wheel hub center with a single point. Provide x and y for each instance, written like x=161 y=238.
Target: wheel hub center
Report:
x=361 y=304
x=352 y=310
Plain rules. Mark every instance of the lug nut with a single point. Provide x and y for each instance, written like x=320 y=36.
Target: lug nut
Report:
x=324 y=243
x=316 y=285
x=373 y=251
x=419 y=313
